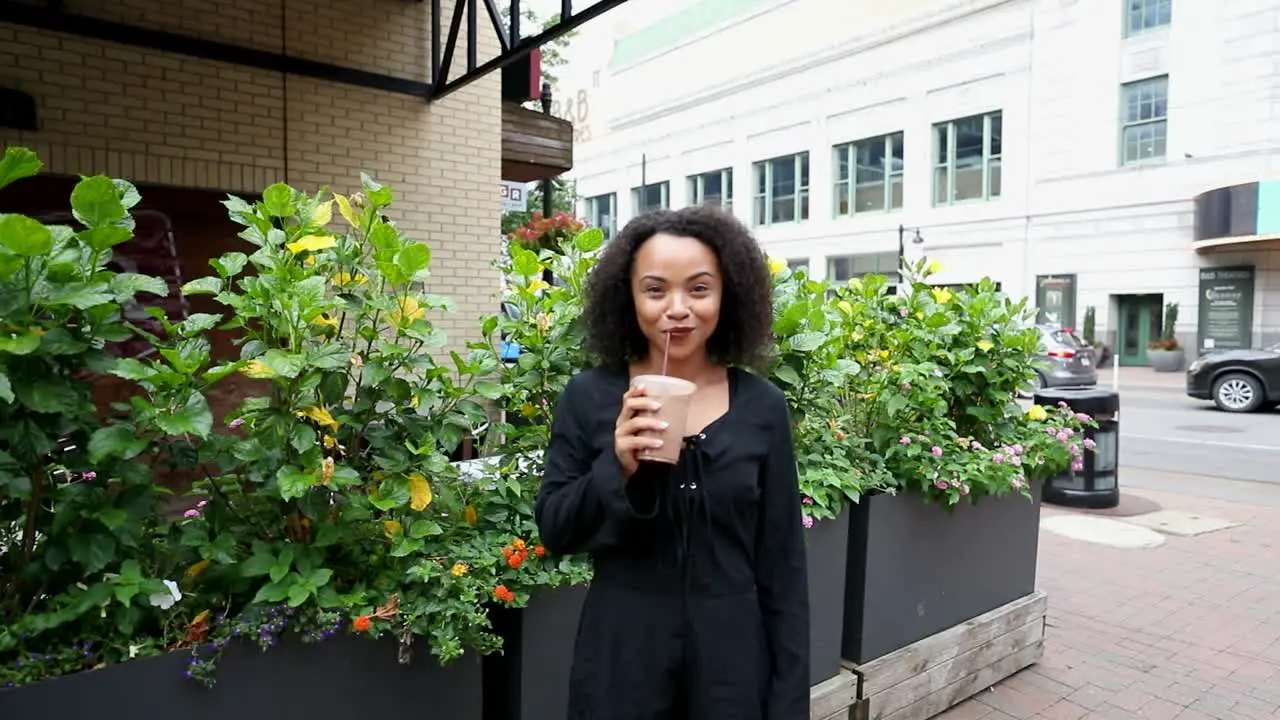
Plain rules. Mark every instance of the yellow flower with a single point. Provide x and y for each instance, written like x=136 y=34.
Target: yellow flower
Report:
x=469 y=514
x=311 y=243
x=346 y=278
x=776 y=265
x=528 y=409
x=259 y=370
x=319 y=416
x=985 y=345
x=407 y=310
x=311 y=260
x=194 y=571
x=323 y=320
x=537 y=285
x=330 y=442
x=419 y=492
x=941 y=295
x=884 y=354
x=458 y=569
x=935 y=267
x=391 y=528
x=1037 y=413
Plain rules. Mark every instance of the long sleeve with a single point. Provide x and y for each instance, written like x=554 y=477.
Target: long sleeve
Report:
x=584 y=501
x=781 y=576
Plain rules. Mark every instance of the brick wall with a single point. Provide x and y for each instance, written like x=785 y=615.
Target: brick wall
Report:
x=173 y=120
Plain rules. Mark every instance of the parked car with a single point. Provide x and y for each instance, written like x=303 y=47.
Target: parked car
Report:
x=1067 y=360
x=1237 y=381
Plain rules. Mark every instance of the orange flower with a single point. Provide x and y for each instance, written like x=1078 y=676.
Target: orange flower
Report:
x=515 y=561
x=362 y=623
x=502 y=593
x=517 y=544
x=539 y=550
x=507 y=551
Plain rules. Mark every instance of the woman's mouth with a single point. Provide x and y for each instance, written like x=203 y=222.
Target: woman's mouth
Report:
x=680 y=333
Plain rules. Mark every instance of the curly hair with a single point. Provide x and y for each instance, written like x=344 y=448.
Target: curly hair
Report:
x=744 y=334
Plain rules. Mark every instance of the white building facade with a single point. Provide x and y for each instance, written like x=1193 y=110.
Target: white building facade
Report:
x=1055 y=146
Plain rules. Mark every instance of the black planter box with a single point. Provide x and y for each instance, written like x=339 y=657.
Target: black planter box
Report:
x=529 y=679
x=341 y=678
x=828 y=547
x=916 y=569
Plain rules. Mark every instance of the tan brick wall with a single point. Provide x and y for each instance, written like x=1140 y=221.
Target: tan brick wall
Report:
x=174 y=120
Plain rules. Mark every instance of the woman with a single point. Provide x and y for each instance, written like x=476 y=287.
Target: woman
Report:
x=698 y=609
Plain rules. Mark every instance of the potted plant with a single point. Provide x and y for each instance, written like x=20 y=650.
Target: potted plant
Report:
x=1090 y=330
x=937 y=370
x=1165 y=354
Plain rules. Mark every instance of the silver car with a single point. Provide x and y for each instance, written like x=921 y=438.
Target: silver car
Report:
x=1067 y=361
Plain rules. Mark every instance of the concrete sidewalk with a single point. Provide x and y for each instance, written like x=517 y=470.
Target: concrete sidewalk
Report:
x=1188 y=629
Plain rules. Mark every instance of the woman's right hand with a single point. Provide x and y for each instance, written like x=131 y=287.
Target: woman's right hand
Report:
x=632 y=421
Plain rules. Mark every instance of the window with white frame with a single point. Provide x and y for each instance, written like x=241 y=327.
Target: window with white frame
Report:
x=795 y=264
x=602 y=212
x=868 y=175
x=1143 y=15
x=1144 y=121
x=712 y=188
x=967 y=156
x=842 y=268
x=654 y=196
x=781 y=189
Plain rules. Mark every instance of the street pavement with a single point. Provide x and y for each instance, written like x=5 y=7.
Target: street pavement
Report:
x=1171 y=626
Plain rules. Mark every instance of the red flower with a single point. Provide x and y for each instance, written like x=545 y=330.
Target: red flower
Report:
x=515 y=561
x=362 y=623
x=539 y=550
x=502 y=593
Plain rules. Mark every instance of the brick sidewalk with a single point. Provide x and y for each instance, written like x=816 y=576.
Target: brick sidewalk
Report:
x=1188 y=630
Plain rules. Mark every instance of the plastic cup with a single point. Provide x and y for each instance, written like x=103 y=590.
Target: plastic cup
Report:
x=675 y=395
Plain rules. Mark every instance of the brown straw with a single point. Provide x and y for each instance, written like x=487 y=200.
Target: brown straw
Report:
x=666 y=351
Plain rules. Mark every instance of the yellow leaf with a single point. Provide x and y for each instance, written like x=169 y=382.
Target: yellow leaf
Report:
x=985 y=345
x=194 y=571
x=344 y=207
x=407 y=311
x=321 y=417
x=323 y=214
x=311 y=243
x=391 y=528
x=538 y=285
x=346 y=278
x=845 y=307
x=203 y=615
x=469 y=514
x=323 y=320
x=419 y=492
x=259 y=370
x=935 y=267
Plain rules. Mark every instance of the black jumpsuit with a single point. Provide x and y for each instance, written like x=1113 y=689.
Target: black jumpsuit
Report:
x=698 y=609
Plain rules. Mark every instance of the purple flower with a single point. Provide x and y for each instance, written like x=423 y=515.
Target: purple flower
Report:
x=937 y=451
x=91 y=475
x=997 y=458
x=235 y=423
x=1089 y=444
x=807 y=522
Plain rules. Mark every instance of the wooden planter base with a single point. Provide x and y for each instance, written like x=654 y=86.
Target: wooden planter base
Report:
x=940 y=671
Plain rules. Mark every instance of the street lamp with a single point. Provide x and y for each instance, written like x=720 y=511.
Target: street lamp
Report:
x=902 y=247
x=545 y=98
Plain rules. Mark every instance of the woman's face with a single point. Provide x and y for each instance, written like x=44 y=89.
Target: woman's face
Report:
x=677 y=288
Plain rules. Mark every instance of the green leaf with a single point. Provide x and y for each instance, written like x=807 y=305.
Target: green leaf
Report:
x=6 y=390
x=81 y=296
x=18 y=163
x=116 y=441
x=414 y=258
x=128 y=194
x=787 y=374
x=126 y=285
x=298 y=594
x=284 y=364
x=48 y=395
x=294 y=482
x=23 y=344
x=423 y=527
x=132 y=369
x=112 y=518
x=278 y=201
x=589 y=240
x=60 y=341
x=405 y=545
x=24 y=236
x=96 y=201
x=193 y=418
x=330 y=356
x=488 y=389
x=272 y=592
x=807 y=342
x=198 y=323
x=92 y=550
x=230 y=264
x=208 y=285
x=104 y=237
x=283 y=563
x=525 y=262
x=257 y=565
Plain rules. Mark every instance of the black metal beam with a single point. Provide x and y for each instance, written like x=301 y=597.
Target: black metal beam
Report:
x=455 y=24
x=495 y=17
x=520 y=47
x=204 y=49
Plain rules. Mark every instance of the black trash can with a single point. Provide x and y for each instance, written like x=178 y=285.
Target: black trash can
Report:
x=1098 y=484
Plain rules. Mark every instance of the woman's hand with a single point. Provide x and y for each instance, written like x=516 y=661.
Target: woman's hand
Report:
x=632 y=421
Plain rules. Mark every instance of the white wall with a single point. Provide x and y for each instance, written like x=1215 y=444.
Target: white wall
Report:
x=1054 y=67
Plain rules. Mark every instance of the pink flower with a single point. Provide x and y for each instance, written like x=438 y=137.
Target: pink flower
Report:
x=192 y=513
x=1015 y=460
x=905 y=440
x=906 y=386
x=1083 y=417
x=806 y=500
x=937 y=451
x=1018 y=481
x=91 y=475
x=1062 y=436
x=941 y=484
x=202 y=503
x=1017 y=449
x=997 y=458
x=976 y=445
x=964 y=488
x=1077 y=465
x=235 y=423
x=1089 y=444
x=902 y=311
x=1051 y=431
x=1062 y=403
x=807 y=522
x=1074 y=449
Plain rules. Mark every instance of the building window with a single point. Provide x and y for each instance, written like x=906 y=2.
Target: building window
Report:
x=868 y=175
x=1143 y=15
x=1144 y=129
x=797 y=264
x=602 y=212
x=967 y=157
x=843 y=268
x=782 y=189
x=712 y=188
x=654 y=196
